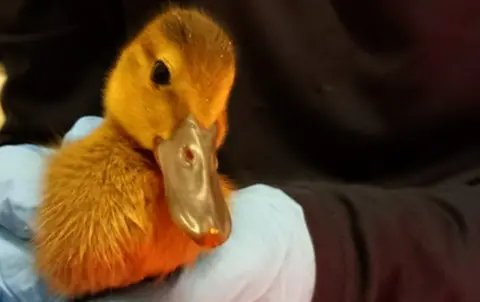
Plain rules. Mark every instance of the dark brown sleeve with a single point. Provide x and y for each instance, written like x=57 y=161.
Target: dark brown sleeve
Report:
x=403 y=245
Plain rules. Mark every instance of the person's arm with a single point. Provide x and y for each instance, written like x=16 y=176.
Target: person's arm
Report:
x=403 y=245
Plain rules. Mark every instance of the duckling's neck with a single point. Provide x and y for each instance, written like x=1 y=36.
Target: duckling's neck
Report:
x=111 y=131
x=111 y=127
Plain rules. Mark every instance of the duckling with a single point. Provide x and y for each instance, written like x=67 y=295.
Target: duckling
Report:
x=119 y=205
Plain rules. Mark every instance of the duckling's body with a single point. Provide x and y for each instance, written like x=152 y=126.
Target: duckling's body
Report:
x=109 y=217
x=104 y=220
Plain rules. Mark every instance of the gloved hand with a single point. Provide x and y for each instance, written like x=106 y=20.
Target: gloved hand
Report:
x=269 y=256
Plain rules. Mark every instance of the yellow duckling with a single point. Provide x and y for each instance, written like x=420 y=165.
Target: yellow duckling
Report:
x=123 y=203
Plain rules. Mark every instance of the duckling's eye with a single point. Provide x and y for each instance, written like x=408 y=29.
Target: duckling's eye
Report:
x=160 y=73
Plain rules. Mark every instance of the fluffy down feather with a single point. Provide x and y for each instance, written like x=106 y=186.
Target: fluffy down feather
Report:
x=104 y=221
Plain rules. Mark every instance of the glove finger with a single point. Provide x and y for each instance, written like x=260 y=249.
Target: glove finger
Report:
x=82 y=128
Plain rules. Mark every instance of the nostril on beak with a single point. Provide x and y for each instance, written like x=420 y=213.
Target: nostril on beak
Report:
x=187 y=155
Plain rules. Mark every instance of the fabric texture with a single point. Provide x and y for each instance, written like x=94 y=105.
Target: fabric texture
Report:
x=269 y=256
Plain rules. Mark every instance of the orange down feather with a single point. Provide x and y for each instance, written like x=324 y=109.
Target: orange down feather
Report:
x=104 y=222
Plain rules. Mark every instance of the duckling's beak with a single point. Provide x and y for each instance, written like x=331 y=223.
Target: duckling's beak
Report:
x=192 y=185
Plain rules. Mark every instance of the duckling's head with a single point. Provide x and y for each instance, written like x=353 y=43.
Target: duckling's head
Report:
x=169 y=92
x=182 y=63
